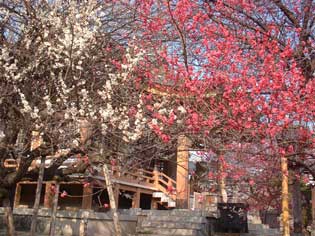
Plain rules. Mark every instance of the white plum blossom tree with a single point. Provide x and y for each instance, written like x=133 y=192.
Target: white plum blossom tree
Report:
x=62 y=64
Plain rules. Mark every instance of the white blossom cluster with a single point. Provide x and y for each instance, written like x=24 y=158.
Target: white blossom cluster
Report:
x=58 y=43
x=131 y=127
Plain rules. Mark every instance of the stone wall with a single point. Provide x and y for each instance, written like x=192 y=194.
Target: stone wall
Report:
x=73 y=223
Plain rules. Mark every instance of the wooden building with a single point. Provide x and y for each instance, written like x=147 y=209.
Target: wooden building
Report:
x=156 y=188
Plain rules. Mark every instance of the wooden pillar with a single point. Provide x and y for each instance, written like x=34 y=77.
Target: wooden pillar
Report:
x=87 y=197
x=17 y=196
x=285 y=197
x=136 y=199
x=182 y=175
x=49 y=195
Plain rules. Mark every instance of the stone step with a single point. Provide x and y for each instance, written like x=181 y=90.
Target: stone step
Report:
x=274 y=230
x=171 y=225
x=184 y=219
x=166 y=231
x=139 y=234
x=254 y=219
x=261 y=231
x=158 y=194
x=175 y=212
x=169 y=234
x=257 y=229
x=257 y=226
x=226 y=234
x=164 y=198
x=260 y=234
x=171 y=204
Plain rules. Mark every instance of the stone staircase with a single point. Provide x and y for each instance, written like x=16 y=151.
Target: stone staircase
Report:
x=257 y=228
x=164 y=199
x=172 y=223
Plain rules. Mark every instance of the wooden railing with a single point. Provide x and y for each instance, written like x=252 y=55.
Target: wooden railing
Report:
x=154 y=178
x=166 y=184
x=138 y=176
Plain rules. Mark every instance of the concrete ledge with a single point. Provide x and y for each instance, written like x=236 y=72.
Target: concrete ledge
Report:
x=72 y=223
x=80 y=214
x=182 y=212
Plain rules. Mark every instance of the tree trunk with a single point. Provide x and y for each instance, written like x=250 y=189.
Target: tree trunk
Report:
x=38 y=195
x=54 y=212
x=112 y=201
x=297 y=208
x=285 y=197
x=9 y=217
